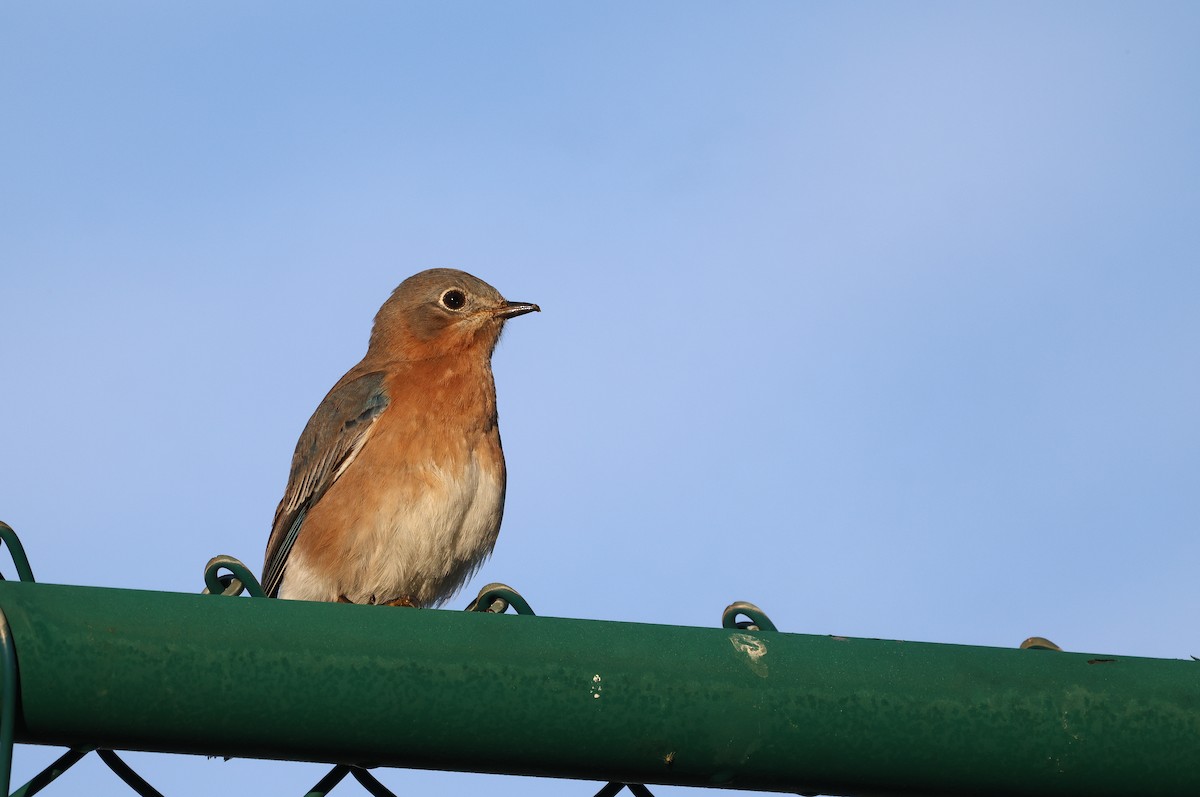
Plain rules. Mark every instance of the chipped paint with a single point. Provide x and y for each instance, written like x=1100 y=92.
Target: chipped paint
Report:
x=754 y=649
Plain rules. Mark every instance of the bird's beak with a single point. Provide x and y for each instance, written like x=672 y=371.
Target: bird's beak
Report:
x=514 y=309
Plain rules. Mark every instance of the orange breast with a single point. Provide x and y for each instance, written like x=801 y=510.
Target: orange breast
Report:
x=419 y=507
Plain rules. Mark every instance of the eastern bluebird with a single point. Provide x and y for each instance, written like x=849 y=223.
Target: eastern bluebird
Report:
x=397 y=483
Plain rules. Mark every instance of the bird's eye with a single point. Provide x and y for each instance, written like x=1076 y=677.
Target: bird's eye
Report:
x=453 y=299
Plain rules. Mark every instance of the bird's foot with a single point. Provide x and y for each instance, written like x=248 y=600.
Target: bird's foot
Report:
x=404 y=601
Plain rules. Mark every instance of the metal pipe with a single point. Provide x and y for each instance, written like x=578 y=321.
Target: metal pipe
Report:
x=606 y=701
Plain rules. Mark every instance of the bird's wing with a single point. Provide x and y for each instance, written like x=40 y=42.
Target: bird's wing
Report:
x=334 y=435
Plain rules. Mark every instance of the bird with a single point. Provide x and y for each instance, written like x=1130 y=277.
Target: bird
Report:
x=397 y=483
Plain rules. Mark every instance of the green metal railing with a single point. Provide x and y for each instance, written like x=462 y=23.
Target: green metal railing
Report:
x=743 y=706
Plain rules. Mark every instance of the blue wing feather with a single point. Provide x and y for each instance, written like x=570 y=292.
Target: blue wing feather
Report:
x=333 y=436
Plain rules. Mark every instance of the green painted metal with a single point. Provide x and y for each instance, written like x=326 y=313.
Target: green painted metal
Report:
x=8 y=701
x=331 y=779
x=758 y=618
x=622 y=702
x=371 y=783
x=123 y=771
x=17 y=550
x=51 y=773
x=238 y=580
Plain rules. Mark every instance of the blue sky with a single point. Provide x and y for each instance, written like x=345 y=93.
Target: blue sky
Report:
x=882 y=316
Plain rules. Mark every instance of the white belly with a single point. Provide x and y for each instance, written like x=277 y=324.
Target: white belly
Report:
x=422 y=547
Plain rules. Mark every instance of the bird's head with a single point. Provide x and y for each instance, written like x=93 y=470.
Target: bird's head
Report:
x=443 y=311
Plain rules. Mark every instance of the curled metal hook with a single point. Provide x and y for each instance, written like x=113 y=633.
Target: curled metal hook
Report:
x=758 y=620
x=496 y=598
x=20 y=560
x=238 y=578
x=1039 y=643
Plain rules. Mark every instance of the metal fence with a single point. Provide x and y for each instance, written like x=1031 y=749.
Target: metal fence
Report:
x=743 y=706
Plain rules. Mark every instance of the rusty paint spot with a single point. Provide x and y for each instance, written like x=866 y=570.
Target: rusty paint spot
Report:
x=669 y=758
